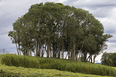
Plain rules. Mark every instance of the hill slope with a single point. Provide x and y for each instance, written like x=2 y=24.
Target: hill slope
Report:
x=33 y=72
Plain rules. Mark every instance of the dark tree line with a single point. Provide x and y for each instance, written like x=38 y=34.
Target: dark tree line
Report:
x=59 y=28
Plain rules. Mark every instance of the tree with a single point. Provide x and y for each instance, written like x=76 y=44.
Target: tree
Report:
x=14 y=39
x=109 y=59
x=60 y=28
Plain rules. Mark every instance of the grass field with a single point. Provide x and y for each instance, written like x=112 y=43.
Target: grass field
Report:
x=13 y=71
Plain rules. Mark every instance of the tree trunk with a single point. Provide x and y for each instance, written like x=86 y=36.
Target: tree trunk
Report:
x=25 y=50
x=91 y=58
x=76 y=57
x=84 y=58
x=62 y=54
x=73 y=55
x=58 y=53
x=54 y=54
x=62 y=48
x=37 y=49
x=42 y=53
x=51 y=52
x=17 y=49
x=73 y=52
x=39 y=53
x=69 y=56
x=48 y=48
x=80 y=53
x=30 y=53
x=94 y=58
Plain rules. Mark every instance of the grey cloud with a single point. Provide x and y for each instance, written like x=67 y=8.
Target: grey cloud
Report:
x=10 y=10
x=112 y=40
x=6 y=43
x=110 y=31
x=98 y=8
x=101 y=12
x=109 y=27
x=111 y=47
x=95 y=4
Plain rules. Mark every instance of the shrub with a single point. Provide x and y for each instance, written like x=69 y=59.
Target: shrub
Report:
x=109 y=59
x=6 y=74
x=63 y=65
x=24 y=61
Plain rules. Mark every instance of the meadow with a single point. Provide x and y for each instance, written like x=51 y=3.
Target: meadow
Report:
x=12 y=65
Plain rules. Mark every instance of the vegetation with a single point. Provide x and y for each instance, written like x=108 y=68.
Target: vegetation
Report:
x=59 y=28
x=11 y=71
x=57 y=31
x=109 y=59
x=23 y=61
x=58 y=64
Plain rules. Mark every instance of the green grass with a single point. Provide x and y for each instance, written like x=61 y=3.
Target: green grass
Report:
x=48 y=67
x=30 y=72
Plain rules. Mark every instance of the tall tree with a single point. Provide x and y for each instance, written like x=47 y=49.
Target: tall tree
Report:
x=60 y=28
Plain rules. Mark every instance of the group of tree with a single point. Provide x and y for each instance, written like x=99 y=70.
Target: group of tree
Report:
x=108 y=59
x=59 y=28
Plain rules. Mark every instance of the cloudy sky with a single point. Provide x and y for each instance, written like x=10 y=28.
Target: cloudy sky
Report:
x=103 y=10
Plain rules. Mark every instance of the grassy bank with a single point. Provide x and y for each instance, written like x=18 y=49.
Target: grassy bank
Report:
x=50 y=67
x=11 y=71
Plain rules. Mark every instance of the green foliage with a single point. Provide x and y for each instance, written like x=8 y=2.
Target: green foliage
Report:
x=11 y=71
x=23 y=61
x=109 y=59
x=60 y=27
x=63 y=65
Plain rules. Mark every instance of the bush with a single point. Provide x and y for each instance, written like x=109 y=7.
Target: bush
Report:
x=63 y=65
x=109 y=59
x=6 y=74
x=24 y=61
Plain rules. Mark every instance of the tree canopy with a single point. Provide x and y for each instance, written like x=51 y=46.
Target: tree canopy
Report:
x=64 y=32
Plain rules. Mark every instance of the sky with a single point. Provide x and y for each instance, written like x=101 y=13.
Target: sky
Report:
x=103 y=10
